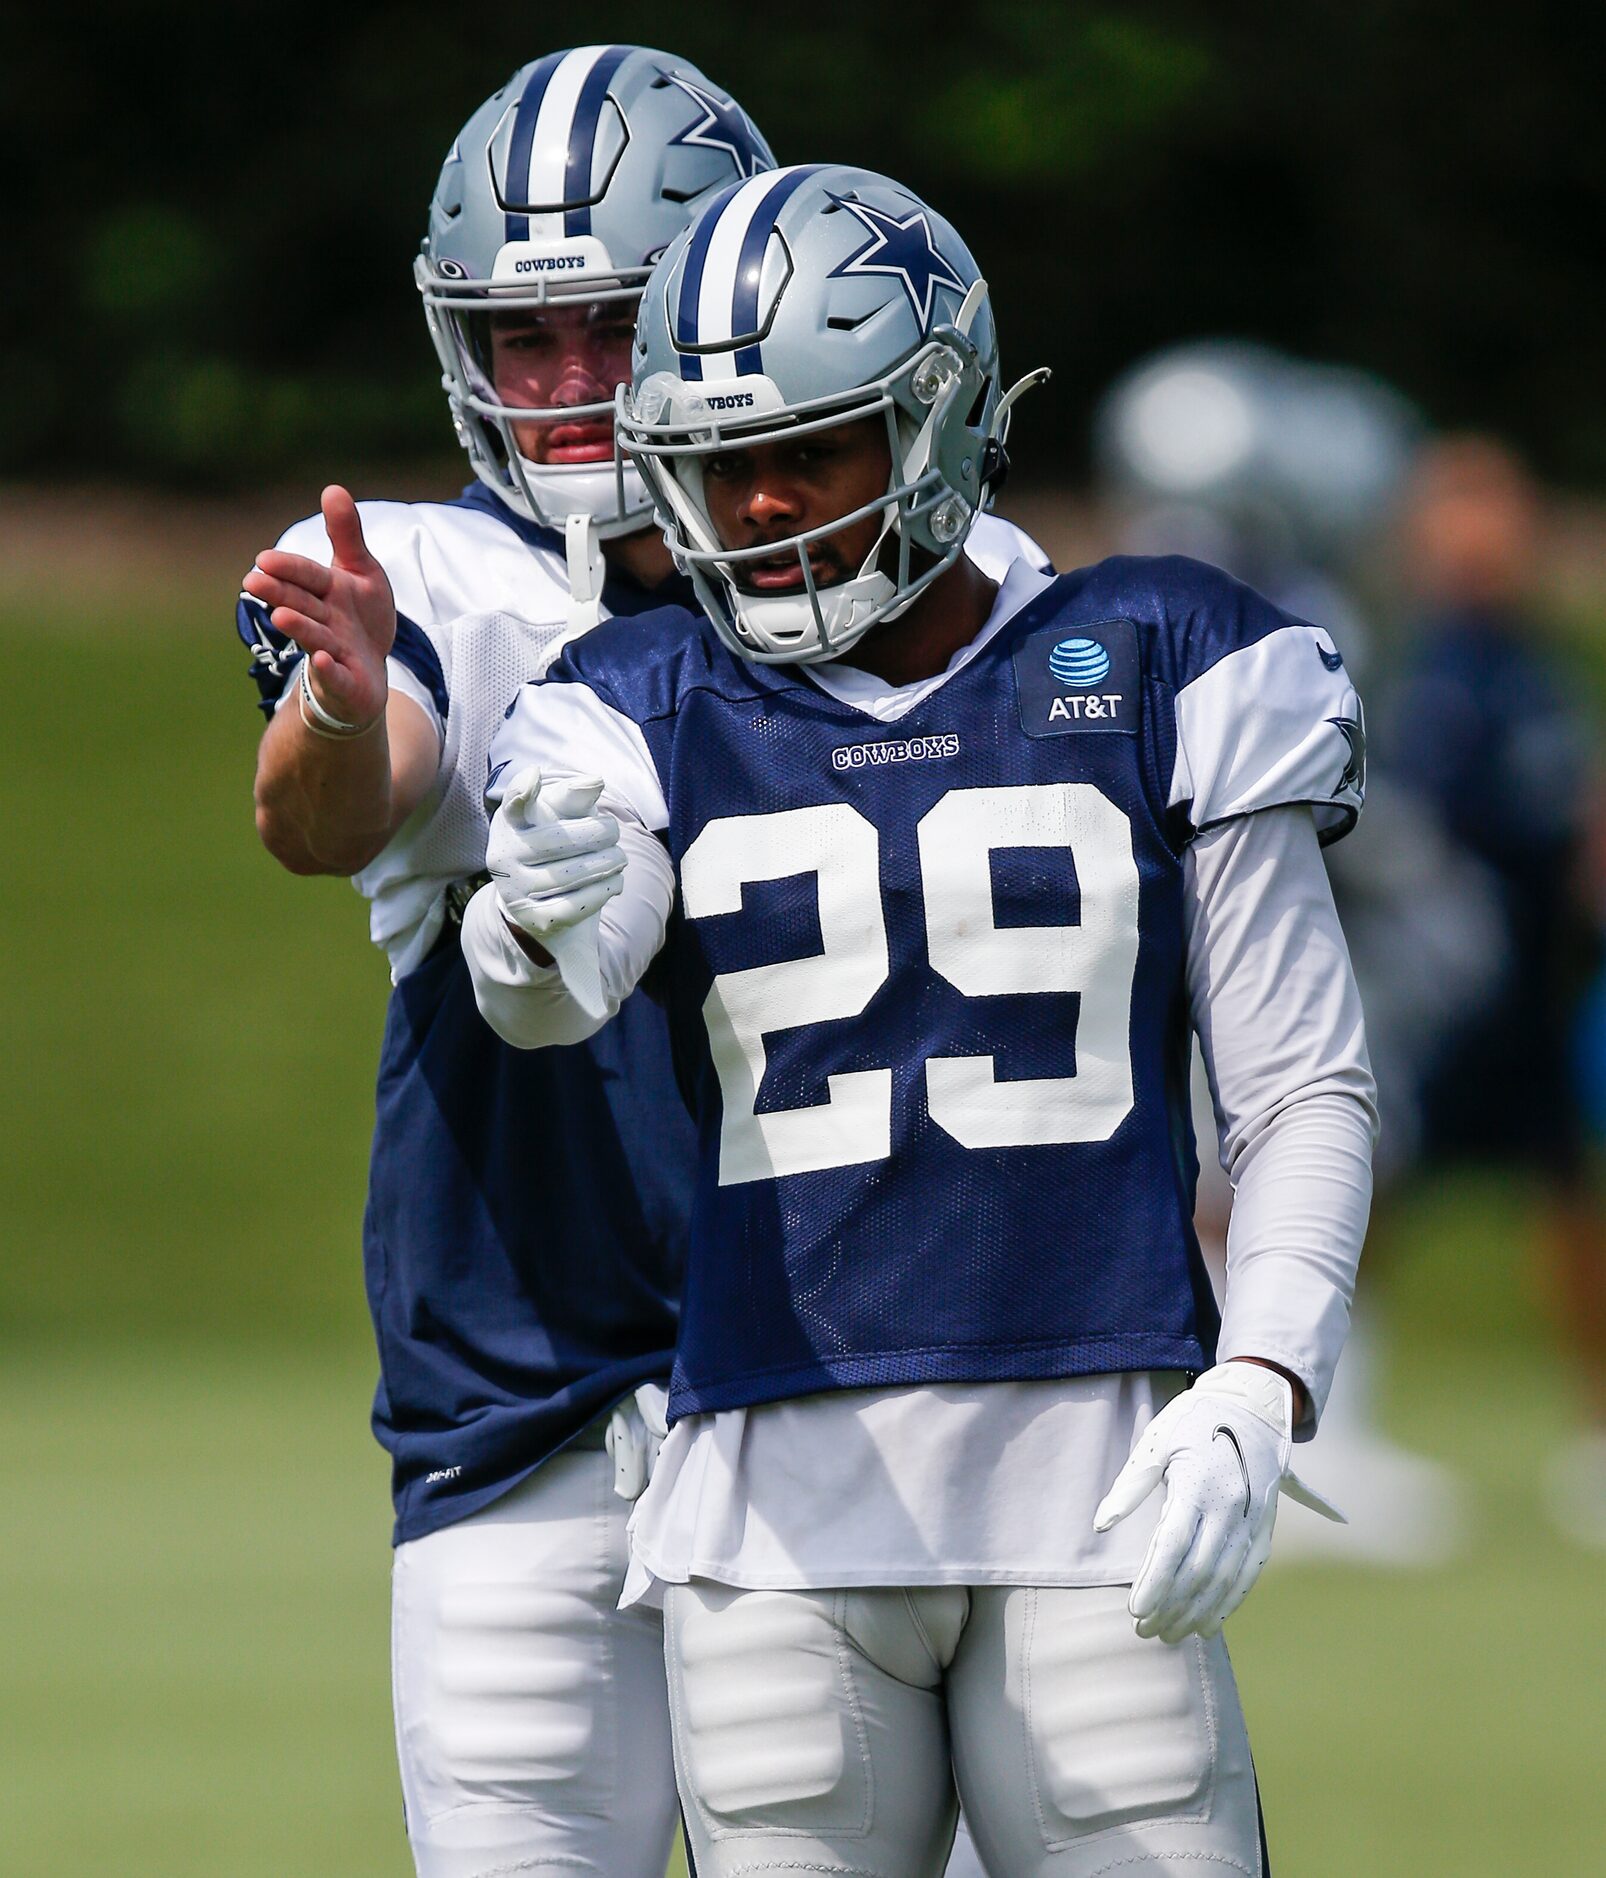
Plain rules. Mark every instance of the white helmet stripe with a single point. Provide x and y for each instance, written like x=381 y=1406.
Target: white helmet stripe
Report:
x=545 y=178
x=716 y=299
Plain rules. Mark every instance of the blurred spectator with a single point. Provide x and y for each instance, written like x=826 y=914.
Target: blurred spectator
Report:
x=1484 y=729
x=1285 y=472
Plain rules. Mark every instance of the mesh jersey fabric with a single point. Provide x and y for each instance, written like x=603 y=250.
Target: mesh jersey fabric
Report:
x=913 y=1253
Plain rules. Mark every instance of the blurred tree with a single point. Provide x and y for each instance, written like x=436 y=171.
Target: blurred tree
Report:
x=213 y=212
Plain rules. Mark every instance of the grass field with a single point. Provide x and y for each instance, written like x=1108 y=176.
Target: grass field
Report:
x=193 y=1555
x=194 y=1674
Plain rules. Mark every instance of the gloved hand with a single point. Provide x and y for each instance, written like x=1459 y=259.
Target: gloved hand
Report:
x=555 y=862
x=1222 y=1449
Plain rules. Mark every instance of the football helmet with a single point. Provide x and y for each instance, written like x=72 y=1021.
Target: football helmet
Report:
x=1224 y=445
x=559 y=193
x=799 y=301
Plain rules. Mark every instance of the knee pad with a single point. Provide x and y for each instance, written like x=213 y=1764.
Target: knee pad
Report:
x=1084 y=1749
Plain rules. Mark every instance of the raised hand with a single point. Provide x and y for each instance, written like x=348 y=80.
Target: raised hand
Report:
x=342 y=616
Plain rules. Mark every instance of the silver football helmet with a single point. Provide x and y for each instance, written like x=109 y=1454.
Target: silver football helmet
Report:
x=1225 y=437
x=799 y=301
x=560 y=192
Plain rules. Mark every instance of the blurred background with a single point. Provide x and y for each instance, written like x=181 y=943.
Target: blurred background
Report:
x=1324 y=293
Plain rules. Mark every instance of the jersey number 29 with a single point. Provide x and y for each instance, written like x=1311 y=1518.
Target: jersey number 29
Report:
x=1096 y=957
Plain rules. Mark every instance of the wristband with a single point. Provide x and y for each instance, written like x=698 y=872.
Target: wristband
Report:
x=324 y=723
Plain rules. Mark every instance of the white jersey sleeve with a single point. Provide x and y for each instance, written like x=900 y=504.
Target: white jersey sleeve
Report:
x=445 y=560
x=1279 y=1021
x=1265 y=714
x=481 y=661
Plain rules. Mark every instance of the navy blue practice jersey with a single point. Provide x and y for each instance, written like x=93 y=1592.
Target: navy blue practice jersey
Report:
x=526 y=1215
x=523 y=1238
x=926 y=978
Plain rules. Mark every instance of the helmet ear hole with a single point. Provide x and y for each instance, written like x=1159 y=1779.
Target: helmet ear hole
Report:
x=974 y=416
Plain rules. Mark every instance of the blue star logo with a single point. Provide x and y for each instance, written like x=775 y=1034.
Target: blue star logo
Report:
x=722 y=126
x=905 y=250
x=1354 y=735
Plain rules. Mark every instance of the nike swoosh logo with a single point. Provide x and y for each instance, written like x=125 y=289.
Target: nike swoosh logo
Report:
x=490 y=780
x=1221 y=1428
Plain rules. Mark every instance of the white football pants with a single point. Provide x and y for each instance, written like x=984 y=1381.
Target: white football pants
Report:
x=823 y=1732
x=531 y=1720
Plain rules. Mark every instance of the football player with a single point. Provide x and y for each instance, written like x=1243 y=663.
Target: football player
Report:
x=938 y=872
x=530 y=1715
x=1487 y=712
x=530 y=1718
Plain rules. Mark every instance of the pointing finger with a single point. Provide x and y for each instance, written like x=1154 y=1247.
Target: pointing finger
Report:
x=313 y=576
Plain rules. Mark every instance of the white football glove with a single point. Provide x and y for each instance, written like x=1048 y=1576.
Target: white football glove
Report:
x=556 y=864
x=1222 y=1449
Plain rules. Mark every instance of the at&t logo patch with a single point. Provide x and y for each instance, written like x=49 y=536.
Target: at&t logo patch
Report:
x=1079 y=680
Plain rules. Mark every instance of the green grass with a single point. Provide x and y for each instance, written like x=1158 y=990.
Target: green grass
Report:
x=194 y=1673
x=193 y=1678
x=193 y=1660
x=1444 y=1722
x=194 y=1666
x=188 y=1033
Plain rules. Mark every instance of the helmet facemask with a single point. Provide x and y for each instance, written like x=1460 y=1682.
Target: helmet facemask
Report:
x=460 y=314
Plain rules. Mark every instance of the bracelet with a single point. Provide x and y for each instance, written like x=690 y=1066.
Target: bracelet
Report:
x=324 y=723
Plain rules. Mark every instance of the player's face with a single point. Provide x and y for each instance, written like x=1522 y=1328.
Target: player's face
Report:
x=563 y=356
x=785 y=487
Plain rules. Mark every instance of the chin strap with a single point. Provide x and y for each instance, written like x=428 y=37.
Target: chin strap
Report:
x=583 y=547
